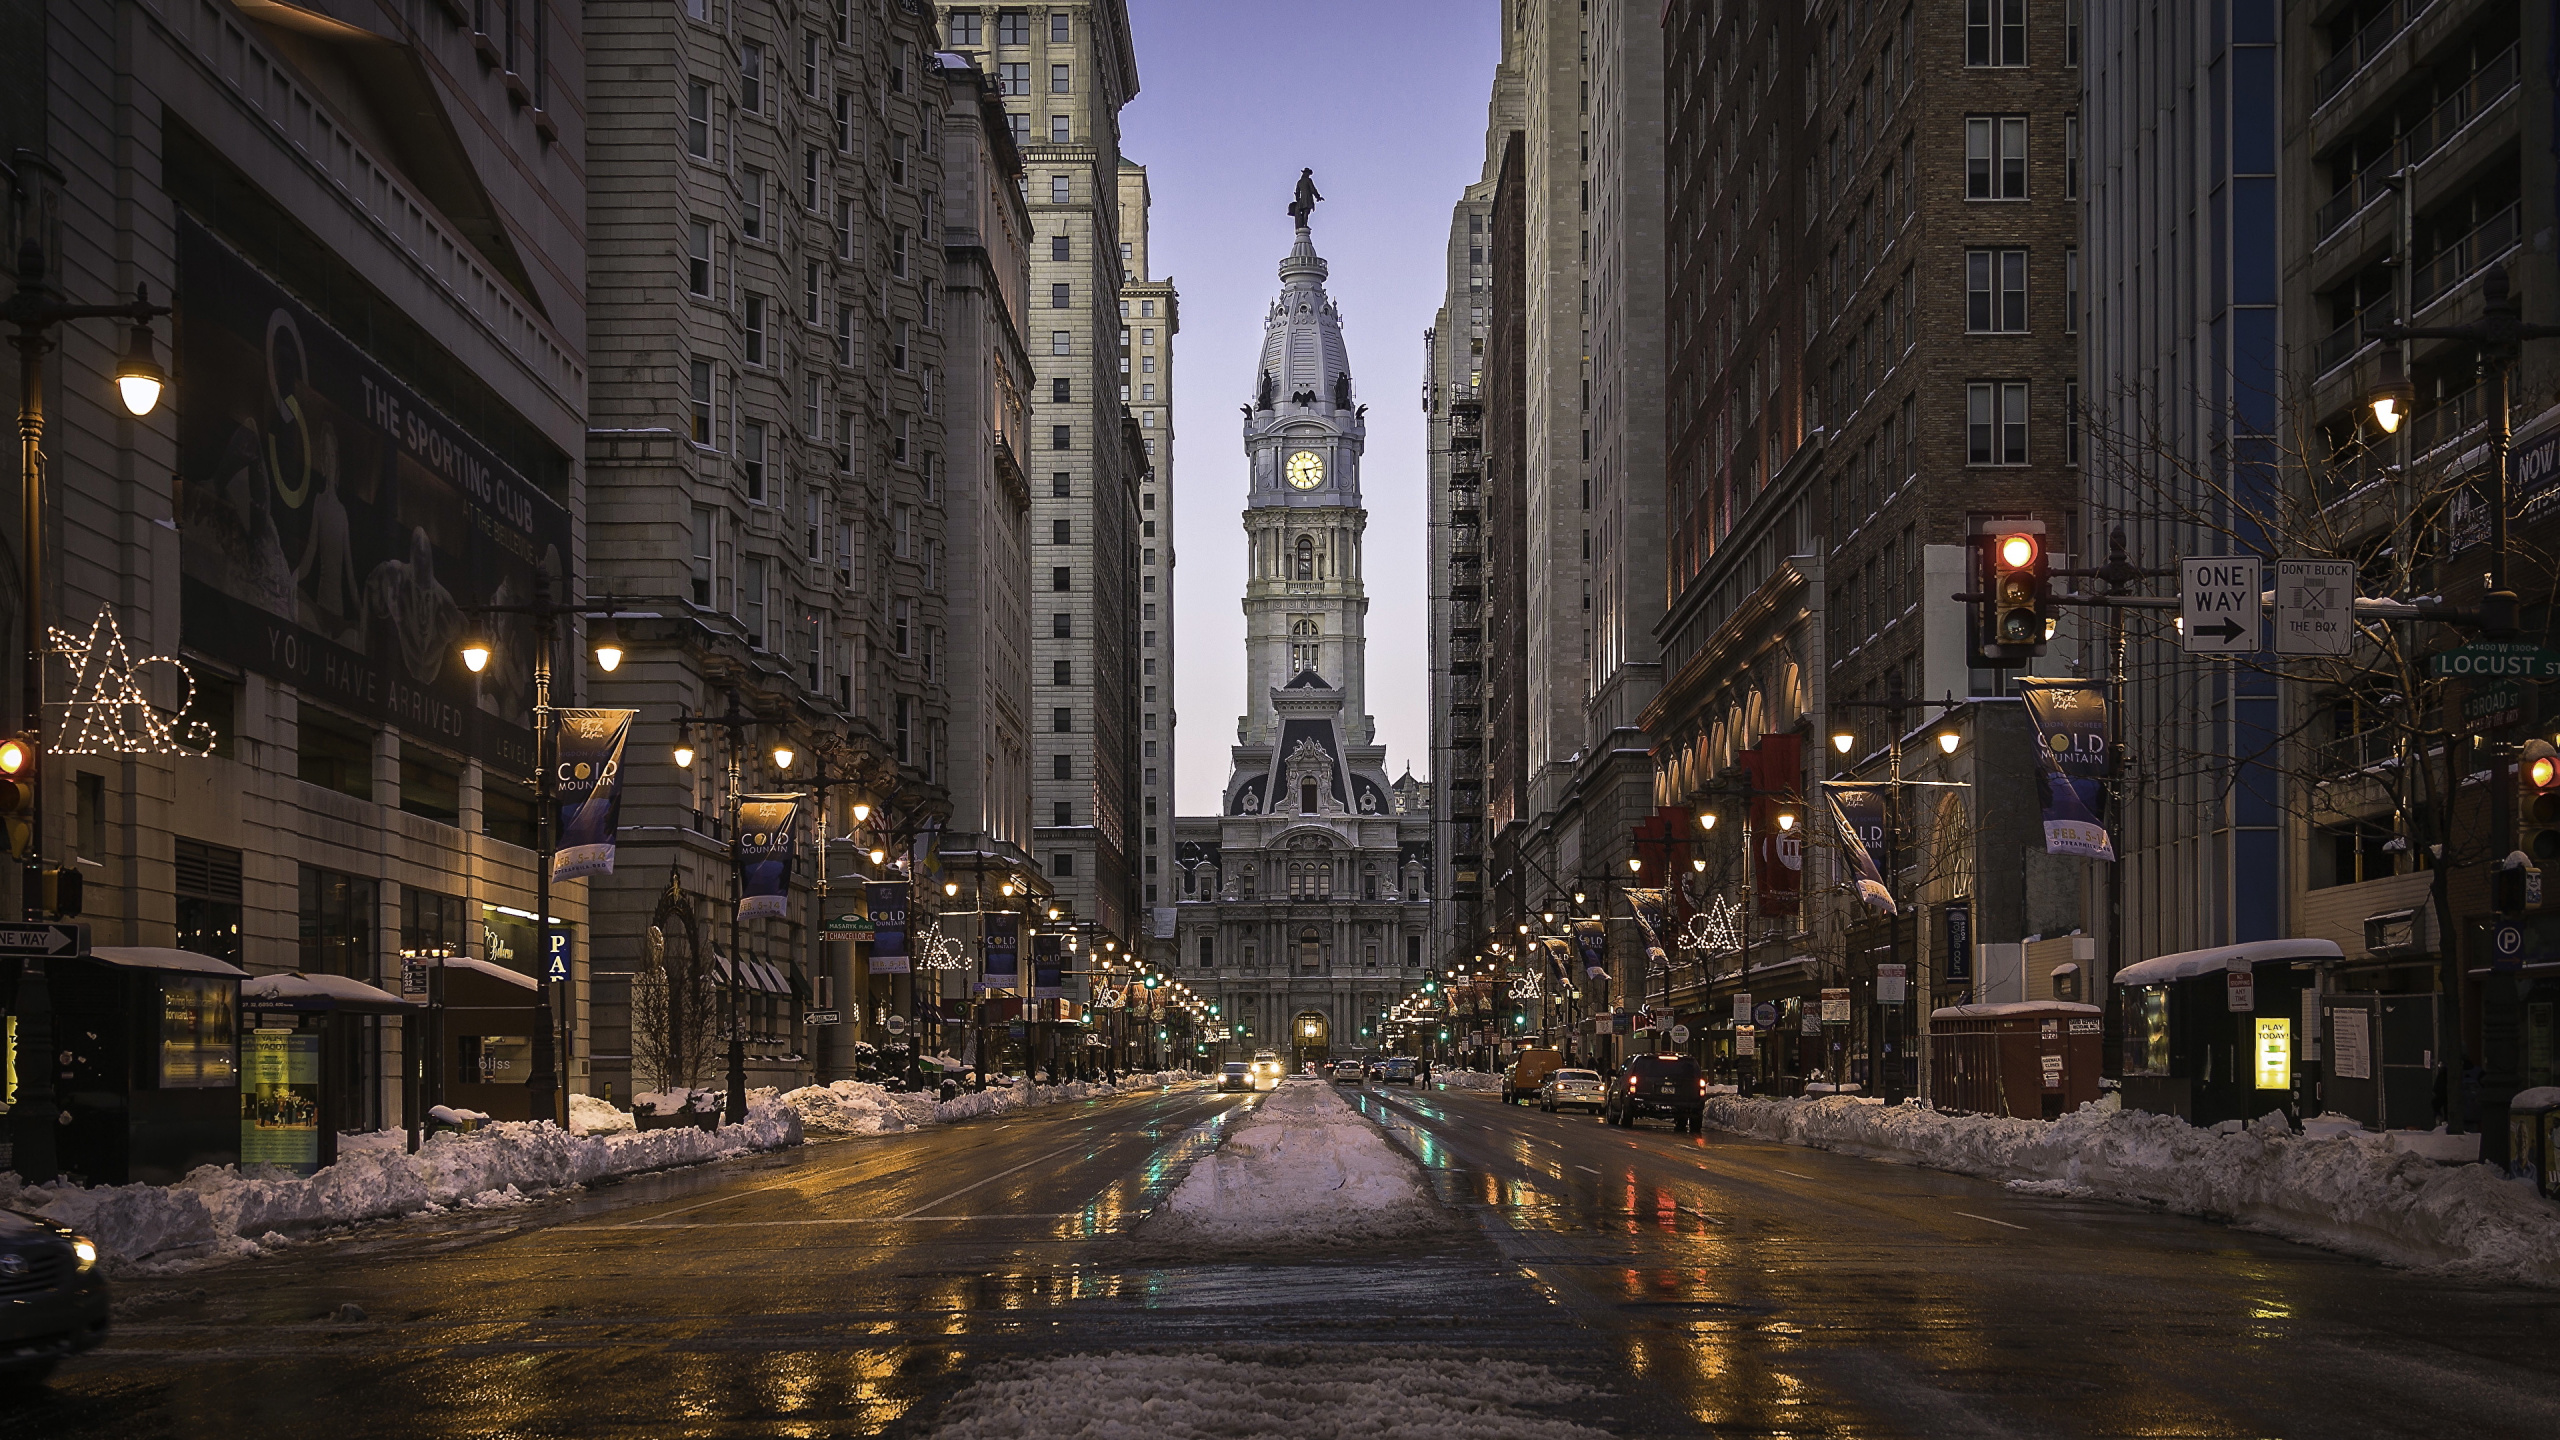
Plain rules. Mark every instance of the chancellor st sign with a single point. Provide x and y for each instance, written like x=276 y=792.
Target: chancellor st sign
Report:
x=2497 y=659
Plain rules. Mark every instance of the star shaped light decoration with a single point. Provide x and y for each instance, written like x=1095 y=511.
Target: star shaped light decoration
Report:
x=1715 y=929
x=108 y=711
x=938 y=951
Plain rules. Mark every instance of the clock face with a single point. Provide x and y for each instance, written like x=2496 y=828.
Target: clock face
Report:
x=1306 y=469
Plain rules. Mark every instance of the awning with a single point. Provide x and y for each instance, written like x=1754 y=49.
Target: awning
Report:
x=2186 y=964
x=756 y=975
x=156 y=957
x=493 y=971
x=342 y=994
x=2009 y=1008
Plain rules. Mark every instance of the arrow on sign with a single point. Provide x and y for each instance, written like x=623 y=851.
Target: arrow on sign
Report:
x=2227 y=631
x=41 y=939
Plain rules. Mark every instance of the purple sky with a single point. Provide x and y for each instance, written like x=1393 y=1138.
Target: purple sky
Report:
x=1387 y=102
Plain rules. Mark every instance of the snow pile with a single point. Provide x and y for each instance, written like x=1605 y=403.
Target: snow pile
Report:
x=677 y=1102
x=2351 y=1192
x=1469 y=1080
x=1303 y=1169
x=591 y=1116
x=1266 y=1393
x=858 y=1107
x=220 y=1212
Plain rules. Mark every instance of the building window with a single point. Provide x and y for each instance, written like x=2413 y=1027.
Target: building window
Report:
x=809 y=271
x=1060 y=80
x=1013 y=27
x=1062 y=485
x=844 y=122
x=751 y=458
x=699 y=384
x=751 y=78
x=1058 y=131
x=1013 y=78
x=208 y=894
x=1995 y=32
x=1996 y=422
x=898 y=252
x=1062 y=721
x=2071 y=156
x=1995 y=291
x=1062 y=863
x=897 y=159
x=1062 y=342
x=2071 y=32
x=965 y=27
x=1062 y=437
x=902 y=728
x=1208 y=944
x=1060 y=578
x=697 y=119
x=751 y=591
x=1061 y=190
x=898 y=346
x=1062 y=626
x=705 y=521
x=1062 y=672
x=2071 y=291
x=1995 y=157
x=1061 y=814
x=809 y=177
x=697 y=253
x=1413 y=952
x=2071 y=422
x=755 y=329
x=1061 y=297
x=1058 y=29
x=751 y=190
x=1061 y=767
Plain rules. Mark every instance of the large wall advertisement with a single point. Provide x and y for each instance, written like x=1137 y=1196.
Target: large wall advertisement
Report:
x=334 y=527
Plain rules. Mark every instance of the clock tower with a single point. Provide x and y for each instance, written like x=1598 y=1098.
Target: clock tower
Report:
x=1305 y=608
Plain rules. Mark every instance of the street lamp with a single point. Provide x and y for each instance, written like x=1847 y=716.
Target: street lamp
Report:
x=1948 y=740
x=782 y=757
x=1706 y=821
x=1841 y=740
x=2393 y=397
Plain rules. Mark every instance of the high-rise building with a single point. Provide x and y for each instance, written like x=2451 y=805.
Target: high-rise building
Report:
x=768 y=474
x=986 y=245
x=376 y=417
x=1453 y=399
x=1303 y=909
x=1150 y=314
x=1064 y=71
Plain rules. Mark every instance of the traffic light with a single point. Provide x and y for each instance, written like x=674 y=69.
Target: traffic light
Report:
x=2538 y=806
x=2013 y=592
x=18 y=792
x=58 y=892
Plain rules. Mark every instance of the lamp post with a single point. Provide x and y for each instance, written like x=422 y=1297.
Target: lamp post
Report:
x=733 y=722
x=33 y=311
x=824 y=782
x=550 y=1081
x=1885 y=1027
x=2497 y=339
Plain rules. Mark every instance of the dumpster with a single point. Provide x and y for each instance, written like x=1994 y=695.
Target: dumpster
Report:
x=2028 y=1059
x=2533 y=1118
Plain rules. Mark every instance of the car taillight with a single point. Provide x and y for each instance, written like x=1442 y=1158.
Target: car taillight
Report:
x=1631 y=1082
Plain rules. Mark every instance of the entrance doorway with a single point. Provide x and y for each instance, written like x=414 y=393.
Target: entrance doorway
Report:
x=1310 y=1039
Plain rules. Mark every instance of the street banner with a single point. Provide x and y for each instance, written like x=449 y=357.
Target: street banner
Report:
x=2072 y=745
x=335 y=527
x=1559 y=957
x=765 y=825
x=1957 y=966
x=1857 y=813
x=1592 y=938
x=589 y=788
x=887 y=901
x=1003 y=953
x=1776 y=766
x=1048 y=957
x=1653 y=913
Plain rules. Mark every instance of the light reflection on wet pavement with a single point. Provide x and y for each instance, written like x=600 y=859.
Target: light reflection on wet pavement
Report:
x=1709 y=1285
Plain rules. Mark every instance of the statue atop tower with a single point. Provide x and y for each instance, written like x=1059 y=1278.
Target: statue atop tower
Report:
x=1304 y=206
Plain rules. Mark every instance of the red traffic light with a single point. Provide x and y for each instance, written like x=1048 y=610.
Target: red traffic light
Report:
x=2016 y=552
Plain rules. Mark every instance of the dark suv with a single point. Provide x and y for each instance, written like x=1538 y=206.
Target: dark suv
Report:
x=1670 y=1086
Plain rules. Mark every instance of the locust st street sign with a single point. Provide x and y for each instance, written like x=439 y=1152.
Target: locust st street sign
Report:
x=2497 y=660
x=2219 y=604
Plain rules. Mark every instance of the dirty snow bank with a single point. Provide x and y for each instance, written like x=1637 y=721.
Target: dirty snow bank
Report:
x=1266 y=1393
x=858 y=1107
x=591 y=1116
x=219 y=1213
x=1471 y=1080
x=1305 y=1169
x=2354 y=1192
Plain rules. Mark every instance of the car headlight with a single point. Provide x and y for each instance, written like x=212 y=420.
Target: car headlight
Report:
x=86 y=1250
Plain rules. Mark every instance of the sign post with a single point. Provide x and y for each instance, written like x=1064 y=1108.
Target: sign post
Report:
x=2219 y=604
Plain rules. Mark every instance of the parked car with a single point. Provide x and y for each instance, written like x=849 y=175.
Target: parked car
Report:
x=53 y=1300
x=1399 y=1070
x=1347 y=1072
x=1573 y=1090
x=1668 y=1086
x=1235 y=1075
x=1529 y=1071
x=1267 y=1070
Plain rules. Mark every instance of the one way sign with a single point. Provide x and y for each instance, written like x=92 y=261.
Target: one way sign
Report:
x=2220 y=604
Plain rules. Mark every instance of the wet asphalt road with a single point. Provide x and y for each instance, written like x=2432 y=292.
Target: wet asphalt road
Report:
x=1709 y=1285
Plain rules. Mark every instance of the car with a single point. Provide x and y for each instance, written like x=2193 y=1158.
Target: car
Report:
x=1399 y=1070
x=1520 y=1083
x=1267 y=1070
x=1668 y=1086
x=1347 y=1072
x=53 y=1300
x=1235 y=1075
x=1573 y=1090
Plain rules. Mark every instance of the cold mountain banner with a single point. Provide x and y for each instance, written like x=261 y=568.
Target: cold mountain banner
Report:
x=2073 y=741
x=1857 y=813
x=887 y=900
x=765 y=823
x=589 y=781
x=1004 y=962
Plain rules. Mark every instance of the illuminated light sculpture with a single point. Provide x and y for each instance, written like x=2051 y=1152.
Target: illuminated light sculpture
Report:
x=1715 y=930
x=107 y=711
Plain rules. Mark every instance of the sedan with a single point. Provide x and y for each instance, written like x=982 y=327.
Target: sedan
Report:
x=1573 y=1090
x=1235 y=1075
x=1348 y=1072
x=53 y=1301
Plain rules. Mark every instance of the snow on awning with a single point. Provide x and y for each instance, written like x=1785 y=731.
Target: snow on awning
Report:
x=2160 y=970
x=160 y=957
x=2016 y=1007
x=324 y=992
x=493 y=971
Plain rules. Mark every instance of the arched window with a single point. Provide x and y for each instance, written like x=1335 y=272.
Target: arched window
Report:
x=1306 y=557
x=1307 y=797
x=1305 y=635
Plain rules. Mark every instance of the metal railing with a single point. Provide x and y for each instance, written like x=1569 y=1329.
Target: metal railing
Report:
x=2341 y=344
x=2454 y=263
x=2487 y=85
x=2368 y=44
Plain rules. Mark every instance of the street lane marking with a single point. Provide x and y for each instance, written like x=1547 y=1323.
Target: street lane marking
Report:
x=936 y=1204
x=1791 y=1172
x=1985 y=1219
x=1586 y=1167
x=826 y=1220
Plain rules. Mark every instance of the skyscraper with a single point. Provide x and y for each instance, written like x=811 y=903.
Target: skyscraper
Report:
x=1149 y=316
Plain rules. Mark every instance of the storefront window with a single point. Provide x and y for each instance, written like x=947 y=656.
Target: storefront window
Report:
x=199 y=1035
x=2146 y=1042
